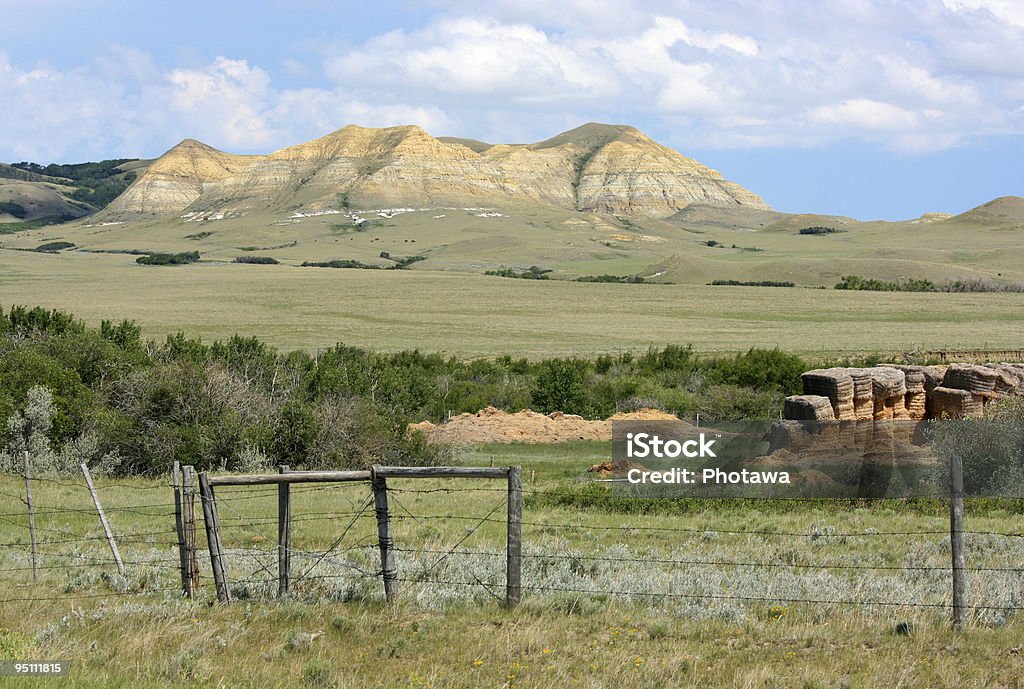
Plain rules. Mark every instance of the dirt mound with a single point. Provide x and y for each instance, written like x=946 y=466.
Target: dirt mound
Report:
x=606 y=469
x=492 y=425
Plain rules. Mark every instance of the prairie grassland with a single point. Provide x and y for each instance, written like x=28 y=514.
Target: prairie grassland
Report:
x=685 y=613
x=473 y=315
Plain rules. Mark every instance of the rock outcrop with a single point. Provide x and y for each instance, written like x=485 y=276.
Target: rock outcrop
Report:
x=601 y=168
x=177 y=179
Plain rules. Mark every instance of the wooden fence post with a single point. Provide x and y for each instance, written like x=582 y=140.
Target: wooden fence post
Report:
x=956 y=540
x=31 y=520
x=284 y=534
x=103 y=519
x=514 y=556
x=178 y=525
x=188 y=525
x=387 y=554
x=217 y=563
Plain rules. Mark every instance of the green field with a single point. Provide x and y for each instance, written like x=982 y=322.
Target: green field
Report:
x=726 y=578
x=474 y=315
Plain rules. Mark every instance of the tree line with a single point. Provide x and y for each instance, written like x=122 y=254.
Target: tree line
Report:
x=239 y=403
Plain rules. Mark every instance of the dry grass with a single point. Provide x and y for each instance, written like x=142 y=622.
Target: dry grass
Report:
x=337 y=633
x=473 y=315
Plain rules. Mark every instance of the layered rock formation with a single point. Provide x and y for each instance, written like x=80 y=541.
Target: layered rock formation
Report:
x=601 y=168
x=178 y=178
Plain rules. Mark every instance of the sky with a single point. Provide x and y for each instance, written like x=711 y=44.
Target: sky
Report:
x=877 y=109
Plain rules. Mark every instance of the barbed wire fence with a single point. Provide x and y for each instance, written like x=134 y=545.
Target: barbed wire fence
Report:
x=381 y=536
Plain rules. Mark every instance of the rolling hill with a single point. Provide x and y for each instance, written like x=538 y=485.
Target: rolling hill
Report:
x=598 y=200
x=34 y=195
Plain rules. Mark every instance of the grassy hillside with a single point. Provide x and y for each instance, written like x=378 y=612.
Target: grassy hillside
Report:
x=33 y=195
x=694 y=247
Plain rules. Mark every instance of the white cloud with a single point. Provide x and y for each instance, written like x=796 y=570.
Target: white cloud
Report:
x=141 y=110
x=467 y=56
x=223 y=101
x=1011 y=11
x=862 y=113
x=730 y=73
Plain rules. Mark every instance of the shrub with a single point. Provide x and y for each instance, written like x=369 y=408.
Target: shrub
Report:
x=857 y=282
x=258 y=260
x=402 y=263
x=561 y=385
x=168 y=259
x=966 y=284
x=339 y=263
x=14 y=209
x=818 y=230
x=622 y=279
x=531 y=273
x=54 y=247
x=754 y=283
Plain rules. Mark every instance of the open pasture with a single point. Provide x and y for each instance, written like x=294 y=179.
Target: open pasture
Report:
x=474 y=315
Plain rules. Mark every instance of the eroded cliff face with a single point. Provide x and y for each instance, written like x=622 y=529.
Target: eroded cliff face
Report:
x=602 y=168
x=633 y=175
x=178 y=178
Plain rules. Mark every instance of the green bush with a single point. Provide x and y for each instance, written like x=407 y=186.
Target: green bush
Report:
x=54 y=247
x=239 y=402
x=15 y=209
x=754 y=283
x=258 y=260
x=561 y=385
x=339 y=263
x=621 y=279
x=168 y=259
x=531 y=273
x=857 y=282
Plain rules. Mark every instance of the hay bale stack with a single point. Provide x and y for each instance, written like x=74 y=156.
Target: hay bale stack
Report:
x=916 y=399
x=933 y=376
x=835 y=384
x=789 y=435
x=953 y=403
x=978 y=380
x=863 y=429
x=808 y=408
x=863 y=393
x=890 y=387
x=1010 y=379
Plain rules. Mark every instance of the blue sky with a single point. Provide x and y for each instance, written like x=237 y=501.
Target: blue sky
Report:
x=869 y=108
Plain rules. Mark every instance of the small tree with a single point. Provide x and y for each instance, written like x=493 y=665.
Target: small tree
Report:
x=561 y=385
x=29 y=430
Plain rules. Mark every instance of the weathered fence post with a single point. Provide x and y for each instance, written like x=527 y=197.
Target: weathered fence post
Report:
x=284 y=534
x=217 y=563
x=956 y=540
x=103 y=519
x=514 y=557
x=31 y=520
x=387 y=554
x=178 y=526
x=188 y=525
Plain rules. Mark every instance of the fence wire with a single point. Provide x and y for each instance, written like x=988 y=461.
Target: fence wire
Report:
x=349 y=557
